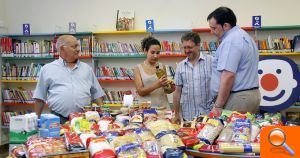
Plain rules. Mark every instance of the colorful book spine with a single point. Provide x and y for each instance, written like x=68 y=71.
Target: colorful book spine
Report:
x=18 y=72
x=114 y=73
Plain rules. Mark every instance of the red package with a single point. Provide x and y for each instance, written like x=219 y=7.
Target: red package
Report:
x=106 y=153
x=73 y=141
x=187 y=131
x=190 y=141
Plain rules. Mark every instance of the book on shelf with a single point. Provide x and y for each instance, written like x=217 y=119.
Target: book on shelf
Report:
x=85 y=46
x=115 y=97
x=18 y=72
x=270 y=44
x=107 y=73
x=116 y=48
x=26 y=48
x=17 y=96
x=125 y=20
x=5 y=115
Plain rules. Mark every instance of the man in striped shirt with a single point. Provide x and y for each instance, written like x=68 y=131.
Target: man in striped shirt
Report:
x=192 y=80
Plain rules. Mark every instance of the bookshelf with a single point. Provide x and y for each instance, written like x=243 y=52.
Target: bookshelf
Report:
x=94 y=57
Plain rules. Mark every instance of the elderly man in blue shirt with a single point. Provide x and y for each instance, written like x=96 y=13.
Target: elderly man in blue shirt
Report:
x=67 y=84
x=234 y=82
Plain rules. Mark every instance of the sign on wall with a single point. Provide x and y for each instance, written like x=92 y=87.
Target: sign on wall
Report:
x=279 y=83
x=256 y=21
x=26 y=29
x=150 y=25
x=72 y=27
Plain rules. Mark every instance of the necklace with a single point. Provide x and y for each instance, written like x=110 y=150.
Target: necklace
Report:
x=149 y=65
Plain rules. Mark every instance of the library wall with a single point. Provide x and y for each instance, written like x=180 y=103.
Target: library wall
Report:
x=54 y=15
x=2 y=17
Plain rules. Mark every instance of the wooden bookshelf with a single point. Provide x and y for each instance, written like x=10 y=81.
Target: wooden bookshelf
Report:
x=19 y=81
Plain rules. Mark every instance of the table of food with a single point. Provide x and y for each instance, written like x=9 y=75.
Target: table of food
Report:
x=139 y=132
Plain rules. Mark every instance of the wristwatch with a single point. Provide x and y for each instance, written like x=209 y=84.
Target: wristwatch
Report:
x=215 y=105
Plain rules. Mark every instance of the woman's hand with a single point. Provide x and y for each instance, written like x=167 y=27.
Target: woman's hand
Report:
x=163 y=81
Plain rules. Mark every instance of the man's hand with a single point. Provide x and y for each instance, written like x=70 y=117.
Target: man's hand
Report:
x=216 y=112
x=177 y=119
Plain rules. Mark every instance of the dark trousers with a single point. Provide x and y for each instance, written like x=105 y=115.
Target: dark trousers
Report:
x=63 y=119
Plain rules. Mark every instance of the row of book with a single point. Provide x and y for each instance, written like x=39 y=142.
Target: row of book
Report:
x=115 y=97
x=118 y=47
x=113 y=73
x=18 y=72
x=273 y=44
x=6 y=116
x=17 y=95
x=10 y=47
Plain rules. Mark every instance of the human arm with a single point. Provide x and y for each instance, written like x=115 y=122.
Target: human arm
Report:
x=39 y=106
x=176 y=103
x=141 y=89
x=226 y=83
x=99 y=101
x=40 y=93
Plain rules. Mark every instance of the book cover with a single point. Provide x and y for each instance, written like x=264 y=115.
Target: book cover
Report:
x=125 y=20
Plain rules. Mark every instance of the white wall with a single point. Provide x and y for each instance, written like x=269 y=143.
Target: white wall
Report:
x=92 y=15
x=2 y=17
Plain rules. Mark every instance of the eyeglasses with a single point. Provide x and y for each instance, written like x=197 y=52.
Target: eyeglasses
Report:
x=188 y=47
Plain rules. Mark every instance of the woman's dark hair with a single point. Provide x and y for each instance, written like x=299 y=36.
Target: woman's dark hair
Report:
x=223 y=15
x=149 y=41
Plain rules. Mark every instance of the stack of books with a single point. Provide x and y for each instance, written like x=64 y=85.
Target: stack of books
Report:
x=107 y=73
x=115 y=97
x=275 y=44
x=17 y=96
x=6 y=116
x=85 y=46
x=29 y=48
x=17 y=72
x=118 y=48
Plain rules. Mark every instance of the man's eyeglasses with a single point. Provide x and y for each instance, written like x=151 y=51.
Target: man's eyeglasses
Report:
x=188 y=47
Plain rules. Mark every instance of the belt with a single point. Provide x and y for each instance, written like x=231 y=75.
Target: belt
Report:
x=244 y=90
x=59 y=115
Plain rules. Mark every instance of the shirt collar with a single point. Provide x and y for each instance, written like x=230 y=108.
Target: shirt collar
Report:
x=229 y=31
x=201 y=57
x=62 y=62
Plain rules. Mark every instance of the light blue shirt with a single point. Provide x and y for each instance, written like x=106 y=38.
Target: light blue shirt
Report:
x=195 y=82
x=237 y=53
x=67 y=90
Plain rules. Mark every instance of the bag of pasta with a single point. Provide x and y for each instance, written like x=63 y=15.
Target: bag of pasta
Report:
x=159 y=126
x=128 y=146
x=210 y=131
